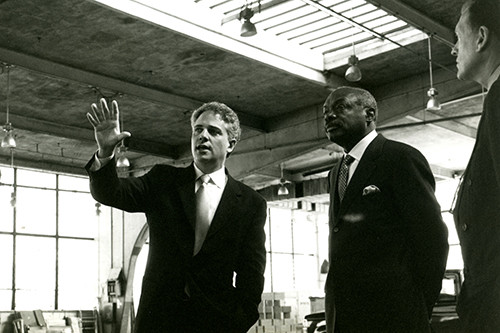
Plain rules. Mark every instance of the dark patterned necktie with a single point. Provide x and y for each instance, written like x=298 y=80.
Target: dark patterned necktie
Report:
x=202 y=214
x=343 y=174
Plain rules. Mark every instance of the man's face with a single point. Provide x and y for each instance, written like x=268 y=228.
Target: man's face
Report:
x=464 y=49
x=345 y=121
x=210 y=142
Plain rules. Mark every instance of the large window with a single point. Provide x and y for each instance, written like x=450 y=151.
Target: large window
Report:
x=297 y=246
x=48 y=241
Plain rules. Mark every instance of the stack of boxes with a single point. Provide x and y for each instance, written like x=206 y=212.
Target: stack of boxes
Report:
x=274 y=315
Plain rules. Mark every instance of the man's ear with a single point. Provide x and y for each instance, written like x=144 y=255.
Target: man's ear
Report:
x=369 y=115
x=230 y=147
x=483 y=38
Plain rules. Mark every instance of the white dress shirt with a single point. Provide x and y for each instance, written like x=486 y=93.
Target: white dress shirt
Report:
x=215 y=187
x=358 y=151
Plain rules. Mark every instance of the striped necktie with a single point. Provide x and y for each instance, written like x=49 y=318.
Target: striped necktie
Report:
x=343 y=175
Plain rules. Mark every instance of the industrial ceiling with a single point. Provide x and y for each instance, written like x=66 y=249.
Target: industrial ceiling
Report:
x=161 y=61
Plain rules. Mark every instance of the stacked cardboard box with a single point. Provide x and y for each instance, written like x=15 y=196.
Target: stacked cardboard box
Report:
x=274 y=315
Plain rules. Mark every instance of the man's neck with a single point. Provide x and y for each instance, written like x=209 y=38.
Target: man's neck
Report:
x=208 y=169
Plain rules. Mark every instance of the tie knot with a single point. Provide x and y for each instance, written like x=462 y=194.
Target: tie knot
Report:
x=204 y=179
x=348 y=159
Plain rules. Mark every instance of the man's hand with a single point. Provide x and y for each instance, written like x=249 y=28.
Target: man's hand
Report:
x=106 y=127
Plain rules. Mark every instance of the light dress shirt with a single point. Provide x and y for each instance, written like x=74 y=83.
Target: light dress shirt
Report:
x=215 y=187
x=358 y=151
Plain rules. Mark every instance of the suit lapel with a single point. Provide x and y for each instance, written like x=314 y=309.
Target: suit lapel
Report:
x=364 y=170
x=185 y=187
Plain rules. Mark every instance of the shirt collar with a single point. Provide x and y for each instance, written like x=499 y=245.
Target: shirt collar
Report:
x=218 y=177
x=494 y=76
x=359 y=149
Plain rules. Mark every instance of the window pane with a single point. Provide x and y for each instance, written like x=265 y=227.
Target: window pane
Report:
x=78 y=287
x=5 y=300
x=77 y=215
x=267 y=275
x=6 y=262
x=36 y=211
x=304 y=233
x=6 y=222
x=323 y=238
x=281 y=230
x=140 y=268
x=306 y=272
x=35 y=272
x=36 y=178
x=282 y=269
x=29 y=299
x=7 y=175
x=74 y=183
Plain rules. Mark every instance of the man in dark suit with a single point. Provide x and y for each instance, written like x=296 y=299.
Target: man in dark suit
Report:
x=388 y=244
x=477 y=209
x=188 y=283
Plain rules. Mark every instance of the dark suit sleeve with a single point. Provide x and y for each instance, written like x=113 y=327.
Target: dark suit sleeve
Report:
x=492 y=122
x=426 y=231
x=128 y=194
x=252 y=263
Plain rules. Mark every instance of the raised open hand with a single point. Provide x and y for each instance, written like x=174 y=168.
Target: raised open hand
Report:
x=106 y=127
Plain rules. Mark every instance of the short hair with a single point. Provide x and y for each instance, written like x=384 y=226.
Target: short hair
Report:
x=227 y=115
x=363 y=98
x=483 y=13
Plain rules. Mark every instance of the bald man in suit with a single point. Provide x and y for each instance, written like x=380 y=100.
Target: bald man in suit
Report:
x=206 y=228
x=388 y=244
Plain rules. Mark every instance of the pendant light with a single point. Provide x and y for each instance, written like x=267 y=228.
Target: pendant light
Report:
x=122 y=161
x=353 y=73
x=248 y=29
x=433 y=103
x=9 y=140
x=282 y=189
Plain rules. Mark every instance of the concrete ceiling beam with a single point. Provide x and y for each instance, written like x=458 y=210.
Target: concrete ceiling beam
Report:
x=86 y=78
x=417 y=19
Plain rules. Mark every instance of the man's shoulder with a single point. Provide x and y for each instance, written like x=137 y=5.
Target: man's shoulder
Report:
x=395 y=146
x=246 y=190
x=174 y=172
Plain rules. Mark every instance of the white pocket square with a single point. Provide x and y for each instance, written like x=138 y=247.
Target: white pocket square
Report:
x=370 y=189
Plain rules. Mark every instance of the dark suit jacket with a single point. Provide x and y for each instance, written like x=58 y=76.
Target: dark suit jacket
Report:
x=477 y=219
x=388 y=247
x=235 y=243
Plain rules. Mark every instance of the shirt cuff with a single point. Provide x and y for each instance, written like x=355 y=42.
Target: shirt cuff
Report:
x=100 y=162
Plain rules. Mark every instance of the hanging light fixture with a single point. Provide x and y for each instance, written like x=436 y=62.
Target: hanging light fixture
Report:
x=248 y=29
x=353 y=73
x=9 y=140
x=122 y=161
x=433 y=103
x=282 y=189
